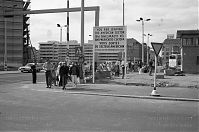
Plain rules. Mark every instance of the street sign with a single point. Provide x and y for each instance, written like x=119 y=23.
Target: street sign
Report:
x=78 y=51
x=156 y=47
x=109 y=38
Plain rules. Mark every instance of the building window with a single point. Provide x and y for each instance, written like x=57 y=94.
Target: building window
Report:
x=197 y=41
x=176 y=49
x=197 y=62
x=187 y=42
x=190 y=42
x=184 y=42
x=167 y=48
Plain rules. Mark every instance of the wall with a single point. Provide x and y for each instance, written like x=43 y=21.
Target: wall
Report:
x=190 y=59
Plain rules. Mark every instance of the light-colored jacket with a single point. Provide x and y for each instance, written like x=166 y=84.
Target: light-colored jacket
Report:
x=48 y=66
x=57 y=71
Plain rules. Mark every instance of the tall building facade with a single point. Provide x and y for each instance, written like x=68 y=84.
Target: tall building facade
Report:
x=57 y=51
x=13 y=32
x=88 y=52
x=134 y=53
x=134 y=50
x=53 y=49
x=189 y=42
x=170 y=46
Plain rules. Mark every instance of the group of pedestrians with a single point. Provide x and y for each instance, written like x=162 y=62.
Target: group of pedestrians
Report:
x=59 y=74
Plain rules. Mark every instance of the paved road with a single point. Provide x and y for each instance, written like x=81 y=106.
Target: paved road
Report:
x=24 y=109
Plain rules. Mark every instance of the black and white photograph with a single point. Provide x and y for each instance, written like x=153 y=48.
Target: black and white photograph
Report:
x=99 y=65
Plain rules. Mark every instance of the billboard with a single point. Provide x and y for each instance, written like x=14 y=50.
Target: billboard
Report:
x=109 y=38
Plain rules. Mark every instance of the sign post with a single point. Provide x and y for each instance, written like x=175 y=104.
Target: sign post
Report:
x=156 y=47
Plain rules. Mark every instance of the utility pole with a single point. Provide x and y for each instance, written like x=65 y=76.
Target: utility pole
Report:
x=5 y=45
x=123 y=12
x=67 y=25
x=148 y=49
x=82 y=41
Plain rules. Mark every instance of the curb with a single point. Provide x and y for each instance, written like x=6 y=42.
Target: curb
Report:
x=9 y=72
x=140 y=97
x=133 y=96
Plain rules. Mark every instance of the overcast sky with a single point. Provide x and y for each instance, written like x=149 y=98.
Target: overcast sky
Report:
x=167 y=16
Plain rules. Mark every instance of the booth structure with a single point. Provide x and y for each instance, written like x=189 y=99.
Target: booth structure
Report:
x=189 y=50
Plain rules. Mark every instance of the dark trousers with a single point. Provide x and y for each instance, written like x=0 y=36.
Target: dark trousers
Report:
x=48 y=78
x=150 y=70
x=64 y=80
x=34 y=77
x=123 y=69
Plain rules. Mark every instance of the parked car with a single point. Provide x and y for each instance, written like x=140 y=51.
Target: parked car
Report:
x=27 y=67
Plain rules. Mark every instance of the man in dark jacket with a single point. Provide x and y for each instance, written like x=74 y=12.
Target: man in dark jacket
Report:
x=64 y=71
x=34 y=74
x=74 y=72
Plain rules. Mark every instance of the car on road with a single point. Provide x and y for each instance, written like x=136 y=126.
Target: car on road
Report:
x=27 y=67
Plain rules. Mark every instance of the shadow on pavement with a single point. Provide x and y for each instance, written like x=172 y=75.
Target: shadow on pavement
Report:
x=88 y=89
x=110 y=81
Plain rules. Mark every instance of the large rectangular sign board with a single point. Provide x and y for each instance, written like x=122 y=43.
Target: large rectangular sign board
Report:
x=109 y=38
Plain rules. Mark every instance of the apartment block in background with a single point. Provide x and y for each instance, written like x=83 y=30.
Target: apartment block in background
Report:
x=170 y=46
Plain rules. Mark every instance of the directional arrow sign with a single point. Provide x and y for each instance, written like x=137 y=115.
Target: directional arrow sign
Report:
x=78 y=51
x=156 y=47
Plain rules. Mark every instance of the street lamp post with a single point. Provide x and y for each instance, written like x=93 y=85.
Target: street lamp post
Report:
x=148 y=49
x=142 y=20
x=58 y=25
x=89 y=53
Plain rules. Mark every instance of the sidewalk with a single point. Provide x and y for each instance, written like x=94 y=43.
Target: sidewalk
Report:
x=182 y=88
x=143 y=79
x=9 y=72
x=179 y=88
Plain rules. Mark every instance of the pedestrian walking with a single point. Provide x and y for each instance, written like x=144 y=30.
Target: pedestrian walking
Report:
x=130 y=66
x=117 y=69
x=64 y=71
x=48 y=69
x=53 y=73
x=34 y=74
x=150 y=67
x=74 y=72
x=123 y=71
x=133 y=66
x=58 y=78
